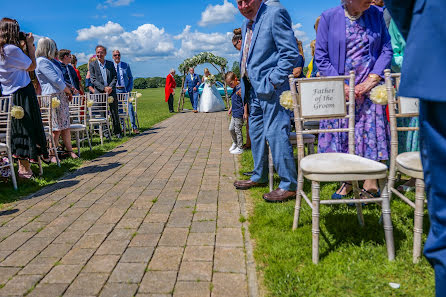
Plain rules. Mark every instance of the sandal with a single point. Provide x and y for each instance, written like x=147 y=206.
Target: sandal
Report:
x=71 y=155
x=28 y=175
x=369 y=195
x=404 y=188
x=337 y=196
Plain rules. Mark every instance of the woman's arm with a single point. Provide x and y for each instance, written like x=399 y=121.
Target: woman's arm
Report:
x=47 y=69
x=31 y=51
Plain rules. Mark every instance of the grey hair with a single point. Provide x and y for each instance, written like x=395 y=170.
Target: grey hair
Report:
x=172 y=70
x=46 y=47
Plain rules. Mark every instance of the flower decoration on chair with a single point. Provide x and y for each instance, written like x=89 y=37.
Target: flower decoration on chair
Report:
x=17 y=112
x=110 y=99
x=138 y=95
x=131 y=99
x=55 y=102
x=286 y=100
x=211 y=80
x=90 y=103
x=378 y=95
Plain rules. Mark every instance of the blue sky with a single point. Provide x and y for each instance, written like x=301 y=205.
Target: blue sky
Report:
x=152 y=35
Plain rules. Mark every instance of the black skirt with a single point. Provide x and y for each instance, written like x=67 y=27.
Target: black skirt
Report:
x=28 y=140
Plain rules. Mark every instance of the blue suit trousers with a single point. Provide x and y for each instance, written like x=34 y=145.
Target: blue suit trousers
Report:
x=433 y=155
x=193 y=96
x=131 y=111
x=269 y=123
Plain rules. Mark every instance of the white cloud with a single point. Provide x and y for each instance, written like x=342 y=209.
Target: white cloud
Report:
x=114 y=3
x=146 y=42
x=82 y=58
x=195 y=42
x=301 y=35
x=218 y=14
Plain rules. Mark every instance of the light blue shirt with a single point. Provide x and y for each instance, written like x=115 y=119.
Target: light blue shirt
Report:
x=103 y=72
x=120 y=82
x=50 y=76
x=13 y=74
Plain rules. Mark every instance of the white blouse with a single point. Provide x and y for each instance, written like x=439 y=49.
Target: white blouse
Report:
x=13 y=74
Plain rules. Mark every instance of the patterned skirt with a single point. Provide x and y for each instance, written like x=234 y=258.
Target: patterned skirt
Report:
x=61 y=115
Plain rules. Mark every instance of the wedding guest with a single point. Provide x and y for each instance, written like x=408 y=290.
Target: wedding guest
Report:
x=298 y=71
x=421 y=24
x=237 y=39
x=192 y=83
x=87 y=77
x=238 y=113
x=69 y=74
x=53 y=83
x=74 y=64
x=353 y=36
x=124 y=84
x=103 y=77
x=28 y=141
x=169 y=89
x=264 y=76
x=313 y=71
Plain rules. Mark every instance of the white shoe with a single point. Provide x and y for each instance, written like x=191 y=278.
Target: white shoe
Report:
x=233 y=147
x=237 y=151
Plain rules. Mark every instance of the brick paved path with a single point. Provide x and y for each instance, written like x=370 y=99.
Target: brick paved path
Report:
x=157 y=216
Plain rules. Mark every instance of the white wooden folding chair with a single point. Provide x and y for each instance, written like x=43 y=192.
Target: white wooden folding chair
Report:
x=45 y=103
x=123 y=107
x=5 y=135
x=99 y=114
x=408 y=163
x=78 y=121
x=135 y=106
x=324 y=98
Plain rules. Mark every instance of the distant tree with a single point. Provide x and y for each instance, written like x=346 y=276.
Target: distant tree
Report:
x=178 y=80
x=236 y=69
x=140 y=83
x=83 y=70
x=151 y=82
x=305 y=70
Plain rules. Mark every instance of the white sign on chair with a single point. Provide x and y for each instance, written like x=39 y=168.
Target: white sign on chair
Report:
x=409 y=106
x=322 y=98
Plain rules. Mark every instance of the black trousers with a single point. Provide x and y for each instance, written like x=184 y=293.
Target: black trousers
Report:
x=115 y=115
x=170 y=102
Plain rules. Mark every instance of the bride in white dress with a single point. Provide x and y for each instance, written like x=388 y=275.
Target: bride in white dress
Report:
x=210 y=100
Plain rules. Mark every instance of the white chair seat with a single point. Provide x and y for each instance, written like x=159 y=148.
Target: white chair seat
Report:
x=341 y=167
x=308 y=138
x=98 y=120
x=77 y=127
x=2 y=147
x=410 y=164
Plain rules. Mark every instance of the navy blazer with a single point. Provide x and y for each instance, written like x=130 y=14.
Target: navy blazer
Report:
x=421 y=22
x=192 y=83
x=65 y=68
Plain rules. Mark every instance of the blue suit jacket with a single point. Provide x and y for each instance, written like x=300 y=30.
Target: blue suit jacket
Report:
x=128 y=77
x=64 y=69
x=192 y=83
x=273 y=52
x=421 y=22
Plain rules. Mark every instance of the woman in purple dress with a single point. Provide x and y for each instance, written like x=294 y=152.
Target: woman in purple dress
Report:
x=354 y=36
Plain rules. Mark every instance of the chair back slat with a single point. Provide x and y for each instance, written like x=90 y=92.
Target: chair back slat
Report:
x=45 y=103
x=100 y=105
x=123 y=102
x=5 y=119
x=78 y=109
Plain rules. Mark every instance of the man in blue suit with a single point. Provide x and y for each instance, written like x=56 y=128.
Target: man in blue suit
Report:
x=269 y=54
x=192 y=83
x=124 y=84
x=421 y=22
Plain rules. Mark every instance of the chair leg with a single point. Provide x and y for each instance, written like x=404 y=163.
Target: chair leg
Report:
x=387 y=220
x=358 y=205
x=11 y=167
x=108 y=130
x=40 y=167
x=88 y=139
x=392 y=179
x=300 y=187
x=418 y=219
x=78 y=143
x=271 y=170
x=315 y=189
x=101 y=135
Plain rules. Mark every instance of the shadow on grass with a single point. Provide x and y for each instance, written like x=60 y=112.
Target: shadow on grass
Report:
x=8 y=212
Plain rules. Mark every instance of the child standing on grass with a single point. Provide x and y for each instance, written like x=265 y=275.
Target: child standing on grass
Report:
x=239 y=112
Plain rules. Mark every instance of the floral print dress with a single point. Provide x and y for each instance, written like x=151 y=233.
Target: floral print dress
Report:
x=372 y=130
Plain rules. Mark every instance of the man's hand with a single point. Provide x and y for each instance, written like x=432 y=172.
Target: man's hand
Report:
x=230 y=111
x=245 y=116
x=239 y=93
x=173 y=92
x=108 y=90
x=195 y=89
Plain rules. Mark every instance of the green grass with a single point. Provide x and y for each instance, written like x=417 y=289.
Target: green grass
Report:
x=353 y=260
x=152 y=109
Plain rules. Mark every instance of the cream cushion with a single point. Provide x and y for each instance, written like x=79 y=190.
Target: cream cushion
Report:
x=97 y=120
x=410 y=164
x=341 y=167
x=77 y=127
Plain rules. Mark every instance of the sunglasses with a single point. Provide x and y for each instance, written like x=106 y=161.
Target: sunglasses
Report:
x=116 y=55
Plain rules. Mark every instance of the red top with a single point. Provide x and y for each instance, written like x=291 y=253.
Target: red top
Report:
x=78 y=74
x=170 y=86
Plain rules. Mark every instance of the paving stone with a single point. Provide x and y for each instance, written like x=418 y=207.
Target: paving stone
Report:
x=121 y=234
x=127 y=273
x=36 y=269
x=101 y=263
x=19 y=258
x=192 y=289
x=62 y=274
x=119 y=290
x=198 y=253
x=145 y=240
x=195 y=271
x=158 y=282
x=87 y=284
x=203 y=227
x=56 y=250
x=166 y=258
x=229 y=237
x=19 y=285
x=229 y=260
x=201 y=239
x=156 y=217
x=174 y=237
x=6 y=273
x=77 y=256
x=70 y=237
x=229 y=284
x=147 y=228
x=137 y=255
x=48 y=290
x=205 y=216
x=91 y=241
x=113 y=247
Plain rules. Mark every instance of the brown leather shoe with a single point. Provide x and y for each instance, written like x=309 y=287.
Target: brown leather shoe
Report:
x=246 y=184
x=279 y=195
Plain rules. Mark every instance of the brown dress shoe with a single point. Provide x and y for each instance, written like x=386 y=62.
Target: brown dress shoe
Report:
x=246 y=184
x=279 y=195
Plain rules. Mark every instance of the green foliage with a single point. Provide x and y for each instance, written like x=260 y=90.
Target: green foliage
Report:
x=83 y=69
x=140 y=83
x=202 y=58
x=236 y=68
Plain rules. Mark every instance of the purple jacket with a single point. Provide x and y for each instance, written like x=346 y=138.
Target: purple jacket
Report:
x=331 y=41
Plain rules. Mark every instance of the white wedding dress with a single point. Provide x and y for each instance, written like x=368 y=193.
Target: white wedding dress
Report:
x=210 y=100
